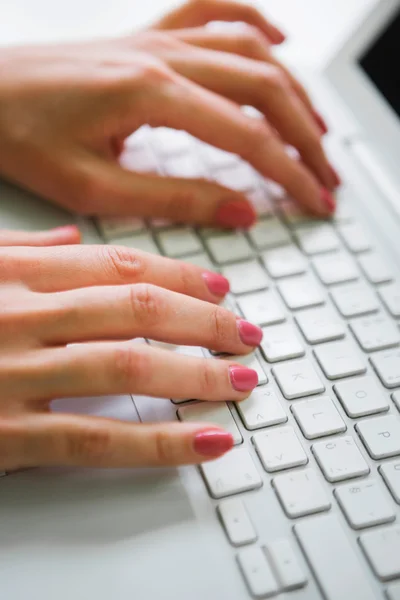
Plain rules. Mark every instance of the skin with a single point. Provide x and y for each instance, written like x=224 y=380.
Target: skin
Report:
x=65 y=112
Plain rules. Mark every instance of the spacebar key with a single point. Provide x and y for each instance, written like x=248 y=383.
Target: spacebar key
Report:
x=334 y=562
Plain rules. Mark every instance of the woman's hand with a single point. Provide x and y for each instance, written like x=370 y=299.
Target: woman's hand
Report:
x=66 y=110
x=97 y=298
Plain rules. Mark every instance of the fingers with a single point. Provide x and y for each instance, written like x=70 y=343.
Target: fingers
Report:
x=58 y=269
x=57 y=439
x=143 y=310
x=182 y=104
x=59 y=236
x=100 y=369
x=200 y=12
x=246 y=81
x=250 y=44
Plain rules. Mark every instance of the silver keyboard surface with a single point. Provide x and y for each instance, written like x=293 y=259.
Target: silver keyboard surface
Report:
x=322 y=429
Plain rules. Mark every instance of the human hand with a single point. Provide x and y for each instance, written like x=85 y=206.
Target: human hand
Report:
x=96 y=298
x=65 y=111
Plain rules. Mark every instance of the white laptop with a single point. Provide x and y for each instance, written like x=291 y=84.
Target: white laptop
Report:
x=306 y=506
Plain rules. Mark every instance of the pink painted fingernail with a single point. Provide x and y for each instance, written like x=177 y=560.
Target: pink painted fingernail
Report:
x=328 y=200
x=235 y=214
x=212 y=442
x=321 y=122
x=336 y=177
x=250 y=334
x=243 y=379
x=217 y=284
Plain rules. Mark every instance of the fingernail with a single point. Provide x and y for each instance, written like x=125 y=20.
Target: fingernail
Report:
x=235 y=213
x=243 y=379
x=217 y=284
x=328 y=200
x=213 y=442
x=250 y=334
x=336 y=177
x=321 y=122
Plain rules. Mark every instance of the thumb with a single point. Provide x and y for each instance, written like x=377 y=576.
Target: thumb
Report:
x=181 y=200
x=60 y=236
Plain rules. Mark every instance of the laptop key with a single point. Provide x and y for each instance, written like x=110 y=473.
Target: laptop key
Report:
x=261 y=308
x=141 y=241
x=317 y=239
x=248 y=276
x=390 y=472
x=228 y=248
x=257 y=572
x=179 y=242
x=280 y=342
x=269 y=233
x=381 y=436
x=361 y=396
x=279 y=449
x=340 y=459
x=286 y=566
x=261 y=409
x=320 y=325
x=393 y=592
x=285 y=261
x=355 y=299
x=375 y=268
x=365 y=504
x=387 y=366
x=318 y=417
x=339 y=359
x=301 y=493
x=375 y=333
x=301 y=292
x=354 y=237
x=297 y=379
x=335 y=268
x=390 y=295
x=382 y=549
x=236 y=522
x=232 y=474
x=325 y=544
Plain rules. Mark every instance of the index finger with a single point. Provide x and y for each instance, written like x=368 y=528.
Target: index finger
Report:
x=200 y=12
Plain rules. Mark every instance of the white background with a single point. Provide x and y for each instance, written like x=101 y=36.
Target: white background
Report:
x=315 y=27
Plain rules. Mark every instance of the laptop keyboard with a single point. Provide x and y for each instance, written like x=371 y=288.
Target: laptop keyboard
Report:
x=322 y=428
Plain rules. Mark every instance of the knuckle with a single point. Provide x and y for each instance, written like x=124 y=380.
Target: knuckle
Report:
x=183 y=201
x=187 y=279
x=89 y=444
x=260 y=135
x=251 y=40
x=221 y=326
x=208 y=380
x=146 y=304
x=163 y=448
x=128 y=265
x=274 y=77
x=131 y=366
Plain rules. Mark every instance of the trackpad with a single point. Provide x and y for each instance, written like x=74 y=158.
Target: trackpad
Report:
x=82 y=534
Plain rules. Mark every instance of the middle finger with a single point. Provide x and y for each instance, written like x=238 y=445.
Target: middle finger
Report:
x=251 y=82
x=142 y=310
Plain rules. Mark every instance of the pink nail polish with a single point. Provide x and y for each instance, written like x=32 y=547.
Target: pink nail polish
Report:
x=250 y=334
x=328 y=200
x=235 y=214
x=336 y=177
x=321 y=123
x=212 y=442
x=217 y=284
x=243 y=379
